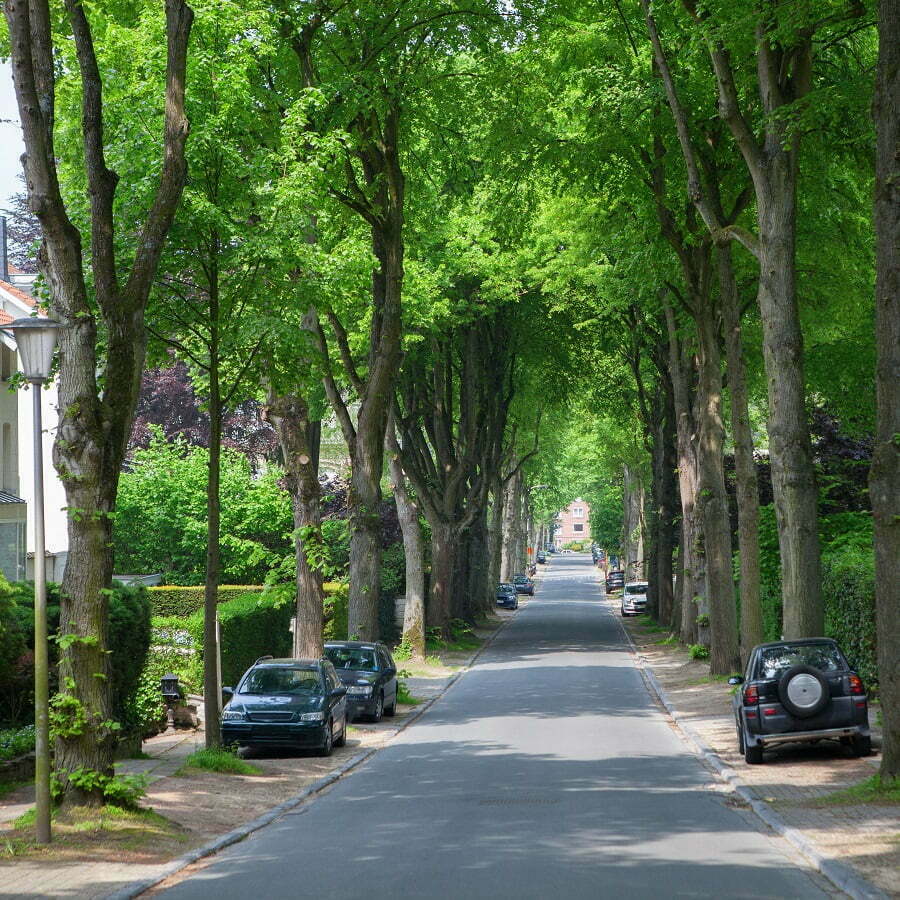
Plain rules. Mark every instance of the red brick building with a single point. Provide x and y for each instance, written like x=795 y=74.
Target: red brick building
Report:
x=573 y=524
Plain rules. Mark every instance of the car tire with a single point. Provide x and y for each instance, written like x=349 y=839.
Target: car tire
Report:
x=391 y=710
x=861 y=744
x=327 y=741
x=342 y=740
x=753 y=756
x=379 y=708
x=803 y=691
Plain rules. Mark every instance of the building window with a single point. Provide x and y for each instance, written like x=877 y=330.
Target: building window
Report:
x=578 y=526
x=578 y=512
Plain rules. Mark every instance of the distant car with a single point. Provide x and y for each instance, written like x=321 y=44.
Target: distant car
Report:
x=801 y=690
x=565 y=550
x=634 y=598
x=370 y=676
x=523 y=585
x=551 y=549
x=507 y=595
x=615 y=581
x=288 y=703
x=541 y=559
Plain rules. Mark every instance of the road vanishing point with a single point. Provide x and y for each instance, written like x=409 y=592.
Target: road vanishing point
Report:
x=545 y=771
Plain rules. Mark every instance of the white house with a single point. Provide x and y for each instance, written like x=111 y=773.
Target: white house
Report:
x=16 y=448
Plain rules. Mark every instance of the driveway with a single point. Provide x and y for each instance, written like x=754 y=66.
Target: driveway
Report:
x=544 y=772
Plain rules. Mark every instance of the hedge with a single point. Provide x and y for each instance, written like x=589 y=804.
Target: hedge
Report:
x=177 y=600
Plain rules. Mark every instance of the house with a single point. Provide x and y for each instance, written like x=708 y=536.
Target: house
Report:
x=17 y=449
x=573 y=524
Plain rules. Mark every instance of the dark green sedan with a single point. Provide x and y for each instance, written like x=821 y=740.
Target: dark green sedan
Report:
x=297 y=703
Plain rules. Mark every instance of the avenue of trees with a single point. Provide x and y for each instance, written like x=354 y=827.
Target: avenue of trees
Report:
x=511 y=254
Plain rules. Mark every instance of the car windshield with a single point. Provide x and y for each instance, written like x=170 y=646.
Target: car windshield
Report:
x=266 y=680
x=773 y=661
x=635 y=588
x=520 y=579
x=356 y=658
x=504 y=588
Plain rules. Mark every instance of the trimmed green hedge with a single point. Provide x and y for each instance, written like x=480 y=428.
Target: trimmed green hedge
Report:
x=848 y=585
x=177 y=600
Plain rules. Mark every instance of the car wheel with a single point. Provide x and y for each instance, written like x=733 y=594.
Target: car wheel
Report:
x=328 y=740
x=804 y=691
x=392 y=709
x=379 y=708
x=861 y=744
x=342 y=740
x=753 y=755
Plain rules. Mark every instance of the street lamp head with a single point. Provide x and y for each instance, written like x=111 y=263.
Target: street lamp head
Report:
x=36 y=339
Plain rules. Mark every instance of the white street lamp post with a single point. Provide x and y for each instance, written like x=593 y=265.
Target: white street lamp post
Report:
x=36 y=340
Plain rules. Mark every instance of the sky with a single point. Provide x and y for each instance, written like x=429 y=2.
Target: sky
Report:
x=11 y=146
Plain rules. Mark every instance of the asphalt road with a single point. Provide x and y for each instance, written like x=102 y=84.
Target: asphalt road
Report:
x=544 y=772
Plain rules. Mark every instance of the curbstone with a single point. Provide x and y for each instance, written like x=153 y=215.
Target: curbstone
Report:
x=136 y=888
x=841 y=875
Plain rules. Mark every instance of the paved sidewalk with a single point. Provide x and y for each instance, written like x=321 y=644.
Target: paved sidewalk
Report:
x=794 y=782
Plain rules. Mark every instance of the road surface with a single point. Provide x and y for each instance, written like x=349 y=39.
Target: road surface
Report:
x=544 y=772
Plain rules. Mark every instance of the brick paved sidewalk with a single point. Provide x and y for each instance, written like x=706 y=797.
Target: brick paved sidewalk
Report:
x=795 y=780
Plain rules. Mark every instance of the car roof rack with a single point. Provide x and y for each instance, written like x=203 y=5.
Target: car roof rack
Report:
x=263 y=659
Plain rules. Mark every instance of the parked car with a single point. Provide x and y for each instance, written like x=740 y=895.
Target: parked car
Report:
x=287 y=702
x=802 y=690
x=615 y=581
x=369 y=673
x=541 y=559
x=507 y=595
x=634 y=598
x=523 y=585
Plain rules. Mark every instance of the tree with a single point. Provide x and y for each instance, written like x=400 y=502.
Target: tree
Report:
x=884 y=481
x=102 y=349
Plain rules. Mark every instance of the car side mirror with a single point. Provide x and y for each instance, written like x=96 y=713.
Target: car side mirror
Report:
x=736 y=679
x=338 y=692
x=227 y=691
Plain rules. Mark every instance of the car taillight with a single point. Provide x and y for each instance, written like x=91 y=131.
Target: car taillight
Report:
x=751 y=695
x=856 y=685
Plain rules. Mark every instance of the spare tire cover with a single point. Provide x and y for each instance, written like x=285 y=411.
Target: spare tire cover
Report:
x=804 y=691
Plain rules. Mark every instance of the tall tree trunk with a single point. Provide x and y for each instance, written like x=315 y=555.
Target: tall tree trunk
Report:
x=94 y=423
x=299 y=439
x=443 y=564
x=884 y=478
x=495 y=533
x=479 y=586
x=691 y=541
x=747 y=488
x=512 y=503
x=664 y=496
x=633 y=530
x=414 y=553
x=212 y=698
x=793 y=478
x=713 y=501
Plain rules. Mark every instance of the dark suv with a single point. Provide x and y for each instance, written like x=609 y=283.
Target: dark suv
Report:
x=369 y=674
x=287 y=702
x=801 y=690
x=615 y=581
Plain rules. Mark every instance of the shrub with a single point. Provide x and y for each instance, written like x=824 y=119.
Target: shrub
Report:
x=393 y=582
x=698 y=651
x=181 y=600
x=337 y=602
x=129 y=638
x=16 y=742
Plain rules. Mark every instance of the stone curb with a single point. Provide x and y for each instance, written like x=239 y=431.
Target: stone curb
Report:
x=137 y=888
x=839 y=874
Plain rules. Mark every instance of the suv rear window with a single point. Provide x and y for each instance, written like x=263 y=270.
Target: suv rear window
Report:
x=773 y=661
